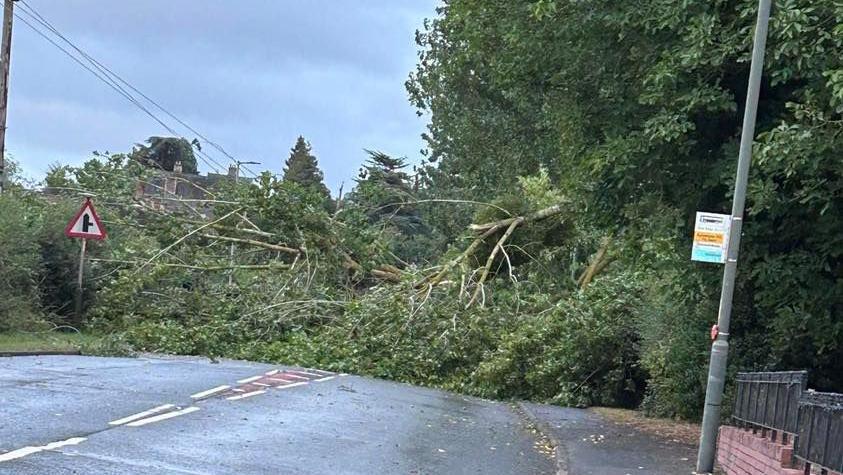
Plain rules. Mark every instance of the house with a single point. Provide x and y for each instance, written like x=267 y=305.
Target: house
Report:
x=173 y=191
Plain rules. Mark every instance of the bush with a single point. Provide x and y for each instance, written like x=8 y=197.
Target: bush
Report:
x=581 y=351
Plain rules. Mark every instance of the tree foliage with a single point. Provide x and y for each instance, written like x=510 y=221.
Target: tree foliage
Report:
x=163 y=153
x=634 y=110
x=302 y=168
x=542 y=249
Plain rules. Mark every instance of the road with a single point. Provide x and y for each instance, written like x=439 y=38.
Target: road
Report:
x=156 y=415
x=87 y=415
x=592 y=445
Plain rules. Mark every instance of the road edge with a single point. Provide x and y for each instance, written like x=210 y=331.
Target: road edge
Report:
x=560 y=455
x=11 y=354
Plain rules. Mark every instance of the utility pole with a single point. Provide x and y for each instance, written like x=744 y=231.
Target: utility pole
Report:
x=720 y=347
x=6 y=53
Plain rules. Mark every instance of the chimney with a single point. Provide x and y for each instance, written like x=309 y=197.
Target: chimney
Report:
x=177 y=168
x=232 y=171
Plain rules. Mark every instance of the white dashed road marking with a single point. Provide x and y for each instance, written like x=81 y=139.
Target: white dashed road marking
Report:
x=162 y=417
x=249 y=380
x=306 y=373
x=324 y=379
x=210 y=391
x=285 y=386
x=15 y=454
x=245 y=395
x=141 y=415
x=288 y=375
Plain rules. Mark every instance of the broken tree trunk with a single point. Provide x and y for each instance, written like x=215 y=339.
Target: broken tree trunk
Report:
x=488 y=229
x=599 y=262
x=437 y=278
x=498 y=247
x=537 y=216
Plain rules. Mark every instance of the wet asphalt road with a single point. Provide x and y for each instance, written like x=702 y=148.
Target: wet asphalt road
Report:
x=592 y=445
x=55 y=413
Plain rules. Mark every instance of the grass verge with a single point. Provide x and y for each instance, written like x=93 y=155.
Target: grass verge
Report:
x=676 y=431
x=45 y=341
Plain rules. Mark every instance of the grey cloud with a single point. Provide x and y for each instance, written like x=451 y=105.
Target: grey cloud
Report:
x=251 y=74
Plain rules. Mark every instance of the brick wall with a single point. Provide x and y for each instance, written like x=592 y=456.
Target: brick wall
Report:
x=740 y=452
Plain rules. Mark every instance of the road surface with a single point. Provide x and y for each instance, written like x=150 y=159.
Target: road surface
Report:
x=155 y=415
x=592 y=445
x=85 y=415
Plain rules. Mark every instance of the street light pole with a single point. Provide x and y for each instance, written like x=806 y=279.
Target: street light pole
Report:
x=720 y=348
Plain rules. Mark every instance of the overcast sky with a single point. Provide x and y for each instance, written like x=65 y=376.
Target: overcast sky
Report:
x=249 y=74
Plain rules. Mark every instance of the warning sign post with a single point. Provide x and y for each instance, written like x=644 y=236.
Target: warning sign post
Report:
x=85 y=225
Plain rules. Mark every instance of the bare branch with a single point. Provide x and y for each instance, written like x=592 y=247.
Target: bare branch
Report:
x=251 y=242
x=179 y=240
x=453 y=262
x=477 y=291
x=537 y=216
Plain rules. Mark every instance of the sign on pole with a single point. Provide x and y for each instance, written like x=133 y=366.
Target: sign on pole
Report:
x=86 y=224
x=711 y=237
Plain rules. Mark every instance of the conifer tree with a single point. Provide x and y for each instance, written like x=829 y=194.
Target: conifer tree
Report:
x=302 y=168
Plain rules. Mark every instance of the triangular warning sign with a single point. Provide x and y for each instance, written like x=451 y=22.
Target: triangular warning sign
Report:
x=86 y=224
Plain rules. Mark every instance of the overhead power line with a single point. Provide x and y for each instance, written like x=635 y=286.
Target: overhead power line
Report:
x=103 y=76
x=117 y=78
x=117 y=83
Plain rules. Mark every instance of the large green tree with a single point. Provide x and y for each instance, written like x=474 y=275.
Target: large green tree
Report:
x=302 y=168
x=634 y=109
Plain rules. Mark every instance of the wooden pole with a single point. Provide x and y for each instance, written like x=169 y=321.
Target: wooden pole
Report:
x=6 y=52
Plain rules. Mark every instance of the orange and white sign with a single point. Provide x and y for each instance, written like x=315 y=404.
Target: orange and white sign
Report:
x=711 y=237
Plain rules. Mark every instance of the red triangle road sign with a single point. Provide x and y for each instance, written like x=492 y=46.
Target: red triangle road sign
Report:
x=86 y=224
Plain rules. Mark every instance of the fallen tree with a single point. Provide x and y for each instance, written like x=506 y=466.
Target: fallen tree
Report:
x=486 y=230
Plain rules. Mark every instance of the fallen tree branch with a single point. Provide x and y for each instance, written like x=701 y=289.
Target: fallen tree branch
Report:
x=252 y=242
x=599 y=262
x=179 y=240
x=479 y=288
x=386 y=275
x=537 y=216
x=444 y=200
x=229 y=267
x=434 y=280
x=196 y=267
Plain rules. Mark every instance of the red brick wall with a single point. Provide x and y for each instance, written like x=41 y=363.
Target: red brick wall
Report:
x=740 y=452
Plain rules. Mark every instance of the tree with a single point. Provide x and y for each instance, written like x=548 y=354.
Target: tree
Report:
x=634 y=110
x=303 y=169
x=385 y=193
x=163 y=153
x=59 y=176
